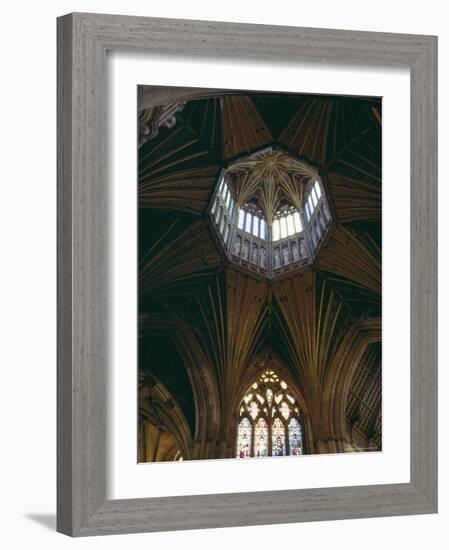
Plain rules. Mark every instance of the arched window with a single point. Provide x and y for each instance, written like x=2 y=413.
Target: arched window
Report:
x=270 y=420
x=278 y=438
x=261 y=438
x=226 y=233
x=178 y=457
x=251 y=221
x=244 y=438
x=316 y=210
x=295 y=437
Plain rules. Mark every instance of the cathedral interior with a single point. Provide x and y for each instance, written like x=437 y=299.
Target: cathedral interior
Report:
x=260 y=274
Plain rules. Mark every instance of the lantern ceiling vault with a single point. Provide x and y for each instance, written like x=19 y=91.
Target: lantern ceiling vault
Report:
x=260 y=236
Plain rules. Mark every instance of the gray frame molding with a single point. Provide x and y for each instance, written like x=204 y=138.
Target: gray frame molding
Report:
x=83 y=40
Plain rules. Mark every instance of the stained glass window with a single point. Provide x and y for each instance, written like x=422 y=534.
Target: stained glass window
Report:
x=295 y=437
x=285 y=410
x=269 y=422
x=278 y=438
x=261 y=438
x=253 y=409
x=244 y=438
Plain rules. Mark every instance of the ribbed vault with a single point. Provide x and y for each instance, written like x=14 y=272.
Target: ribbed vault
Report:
x=317 y=325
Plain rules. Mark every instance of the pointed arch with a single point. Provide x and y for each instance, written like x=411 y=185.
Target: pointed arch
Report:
x=270 y=420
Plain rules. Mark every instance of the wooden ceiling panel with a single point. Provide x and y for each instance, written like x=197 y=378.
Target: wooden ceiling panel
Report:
x=242 y=126
x=345 y=255
x=355 y=199
x=183 y=190
x=191 y=254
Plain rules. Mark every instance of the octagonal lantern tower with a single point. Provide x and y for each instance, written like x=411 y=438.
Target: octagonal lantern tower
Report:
x=270 y=212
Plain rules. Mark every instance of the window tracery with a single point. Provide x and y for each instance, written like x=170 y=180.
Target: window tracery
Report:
x=269 y=420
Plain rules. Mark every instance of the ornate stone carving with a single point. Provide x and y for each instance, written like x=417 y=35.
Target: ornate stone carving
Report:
x=150 y=120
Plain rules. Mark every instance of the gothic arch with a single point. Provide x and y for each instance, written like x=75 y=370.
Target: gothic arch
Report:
x=164 y=429
x=270 y=421
x=202 y=378
x=342 y=370
x=265 y=359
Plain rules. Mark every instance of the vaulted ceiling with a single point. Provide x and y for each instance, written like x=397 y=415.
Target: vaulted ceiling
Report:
x=186 y=285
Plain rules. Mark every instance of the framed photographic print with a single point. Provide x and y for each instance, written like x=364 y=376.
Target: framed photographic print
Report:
x=246 y=274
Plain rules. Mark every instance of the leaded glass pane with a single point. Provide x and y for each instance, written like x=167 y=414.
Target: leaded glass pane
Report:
x=244 y=439
x=278 y=438
x=253 y=409
x=297 y=220
x=222 y=222
x=295 y=437
x=228 y=198
x=309 y=202
x=263 y=229
x=306 y=208
x=285 y=410
x=241 y=218
x=256 y=226
x=261 y=438
x=290 y=225
x=222 y=185
x=283 y=228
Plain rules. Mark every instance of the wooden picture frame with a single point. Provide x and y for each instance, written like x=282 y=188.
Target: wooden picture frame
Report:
x=83 y=40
